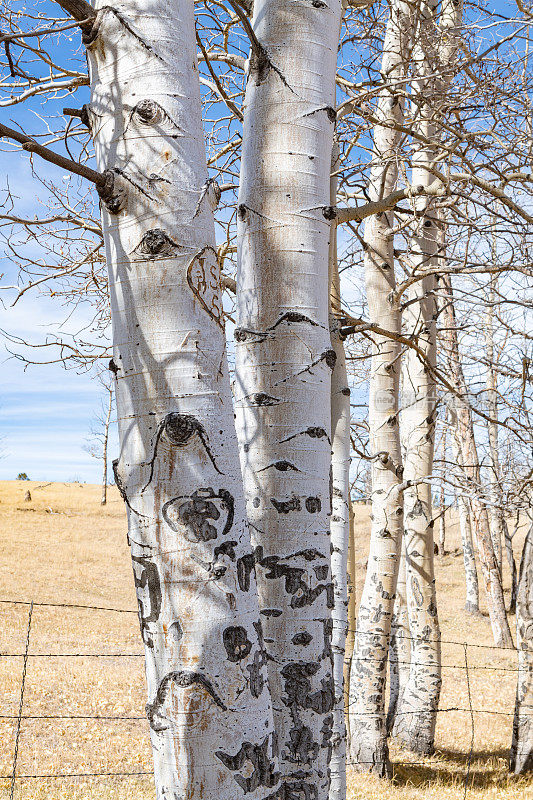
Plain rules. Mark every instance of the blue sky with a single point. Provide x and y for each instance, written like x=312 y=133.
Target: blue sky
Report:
x=46 y=412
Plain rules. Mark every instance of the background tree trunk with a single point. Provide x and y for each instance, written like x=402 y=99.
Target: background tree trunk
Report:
x=105 y=443
x=368 y=734
x=340 y=507
x=522 y=743
x=470 y=461
x=208 y=703
x=284 y=362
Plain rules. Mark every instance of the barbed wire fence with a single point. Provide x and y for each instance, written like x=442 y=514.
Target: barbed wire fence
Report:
x=26 y=655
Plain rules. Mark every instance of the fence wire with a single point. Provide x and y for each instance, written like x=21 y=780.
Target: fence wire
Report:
x=14 y=776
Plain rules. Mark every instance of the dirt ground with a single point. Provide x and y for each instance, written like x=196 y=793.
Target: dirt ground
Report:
x=54 y=550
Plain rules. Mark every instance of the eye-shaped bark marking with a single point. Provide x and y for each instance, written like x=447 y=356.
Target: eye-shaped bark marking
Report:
x=146 y=577
x=178 y=429
x=193 y=515
x=261 y=769
x=236 y=643
x=156 y=243
x=182 y=678
x=262 y=399
x=302 y=639
x=299 y=691
x=122 y=489
x=313 y=432
x=149 y=111
x=281 y=466
x=284 y=506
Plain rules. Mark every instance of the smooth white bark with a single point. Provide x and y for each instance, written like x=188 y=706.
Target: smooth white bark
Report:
x=340 y=510
x=208 y=704
x=284 y=362
x=368 y=735
x=522 y=742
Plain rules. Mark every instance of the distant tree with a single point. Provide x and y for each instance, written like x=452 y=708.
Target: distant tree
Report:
x=98 y=438
x=22 y=476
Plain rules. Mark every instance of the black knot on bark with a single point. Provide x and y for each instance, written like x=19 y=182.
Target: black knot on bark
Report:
x=329 y=212
x=149 y=111
x=330 y=357
x=111 y=192
x=241 y=211
x=179 y=428
x=240 y=335
x=156 y=242
x=318 y=4
x=331 y=113
x=113 y=367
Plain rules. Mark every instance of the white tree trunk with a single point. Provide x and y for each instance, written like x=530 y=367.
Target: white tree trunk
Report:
x=368 y=735
x=340 y=507
x=400 y=645
x=522 y=743
x=496 y=511
x=105 y=444
x=350 y=635
x=465 y=526
x=284 y=361
x=470 y=462
x=208 y=704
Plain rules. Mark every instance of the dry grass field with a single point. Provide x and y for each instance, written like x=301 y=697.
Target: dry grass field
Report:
x=63 y=547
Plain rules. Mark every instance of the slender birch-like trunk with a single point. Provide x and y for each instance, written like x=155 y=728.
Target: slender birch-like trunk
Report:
x=368 y=734
x=208 y=706
x=284 y=362
x=105 y=444
x=400 y=645
x=340 y=506
x=442 y=501
x=470 y=464
x=416 y=714
x=496 y=513
x=522 y=742
x=465 y=526
x=350 y=635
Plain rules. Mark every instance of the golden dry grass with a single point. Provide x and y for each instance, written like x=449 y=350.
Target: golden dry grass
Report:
x=64 y=547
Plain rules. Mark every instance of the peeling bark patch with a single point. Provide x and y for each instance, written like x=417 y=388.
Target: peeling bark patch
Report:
x=149 y=601
x=245 y=567
x=182 y=678
x=298 y=688
x=257 y=756
x=193 y=516
x=295 y=582
x=236 y=643
x=302 y=747
x=204 y=282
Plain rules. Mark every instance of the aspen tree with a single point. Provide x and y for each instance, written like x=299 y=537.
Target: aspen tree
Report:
x=368 y=735
x=470 y=463
x=284 y=363
x=208 y=706
x=522 y=742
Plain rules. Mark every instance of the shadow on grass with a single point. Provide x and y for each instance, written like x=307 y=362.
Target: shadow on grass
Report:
x=488 y=768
